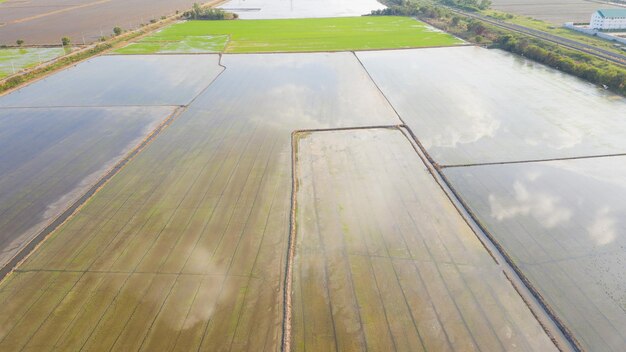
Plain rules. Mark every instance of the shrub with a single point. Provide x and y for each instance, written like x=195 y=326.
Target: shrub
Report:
x=117 y=31
x=65 y=41
x=204 y=13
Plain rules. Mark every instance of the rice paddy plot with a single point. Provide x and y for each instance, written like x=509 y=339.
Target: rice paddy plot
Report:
x=563 y=225
x=158 y=44
x=472 y=105
x=184 y=249
x=16 y=59
x=269 y=9
x=295 y=35
x=385 y=262
x=50 y=157
x=121 y=81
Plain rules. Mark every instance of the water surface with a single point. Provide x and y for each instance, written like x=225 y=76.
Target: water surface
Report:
x=563 y=224
x=472 y=105
x=385 y=262
x=121 y=80
x=50 y=157
x=184 y=248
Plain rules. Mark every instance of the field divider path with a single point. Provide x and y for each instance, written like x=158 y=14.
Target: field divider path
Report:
x=77 y=205
x=532 y=160
x=547 y=318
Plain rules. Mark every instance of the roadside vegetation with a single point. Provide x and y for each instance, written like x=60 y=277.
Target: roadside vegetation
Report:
x=550 y=28
x=293 y=35
x=585 y=66
x=472 y=5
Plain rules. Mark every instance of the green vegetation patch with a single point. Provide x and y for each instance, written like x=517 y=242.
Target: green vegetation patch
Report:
x=293 y=35
x=16 y=59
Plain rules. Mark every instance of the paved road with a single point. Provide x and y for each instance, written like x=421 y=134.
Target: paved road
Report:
x=589 y=49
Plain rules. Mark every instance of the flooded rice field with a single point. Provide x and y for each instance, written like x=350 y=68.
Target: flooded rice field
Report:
x=562 y=223
x=50 y=157
x=269 y=9
x=121 y=81
x=385 y=262
x=555 y=11
x=470 y=105
x=17 y=59
x=184 y=249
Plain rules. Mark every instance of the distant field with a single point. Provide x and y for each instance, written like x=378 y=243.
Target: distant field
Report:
x=316 y=34
x=18 y=59
x=46 y=21
x=552 y=29
x=554 y=11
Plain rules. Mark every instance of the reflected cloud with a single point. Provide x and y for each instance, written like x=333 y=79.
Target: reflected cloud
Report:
x=557 y=138
x=476 y=126
x=603 y=229
x=546 y=208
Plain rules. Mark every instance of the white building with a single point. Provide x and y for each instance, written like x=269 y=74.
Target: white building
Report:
x=609 y=19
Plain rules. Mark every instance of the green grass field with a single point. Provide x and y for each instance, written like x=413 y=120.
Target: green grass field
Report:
x=16 y=59
x=292 y=35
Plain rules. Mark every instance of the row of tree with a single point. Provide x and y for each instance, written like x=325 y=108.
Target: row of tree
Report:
x=473 y=5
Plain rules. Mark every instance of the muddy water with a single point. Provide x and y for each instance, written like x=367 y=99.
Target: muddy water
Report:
x=184 y=249
x=121 y=80
x=473 y=105
x=563 y=224
x=385 y=262
x=268 y=9
x=50 y=157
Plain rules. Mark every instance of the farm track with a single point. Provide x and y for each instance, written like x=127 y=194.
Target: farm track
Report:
x=568 y=43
